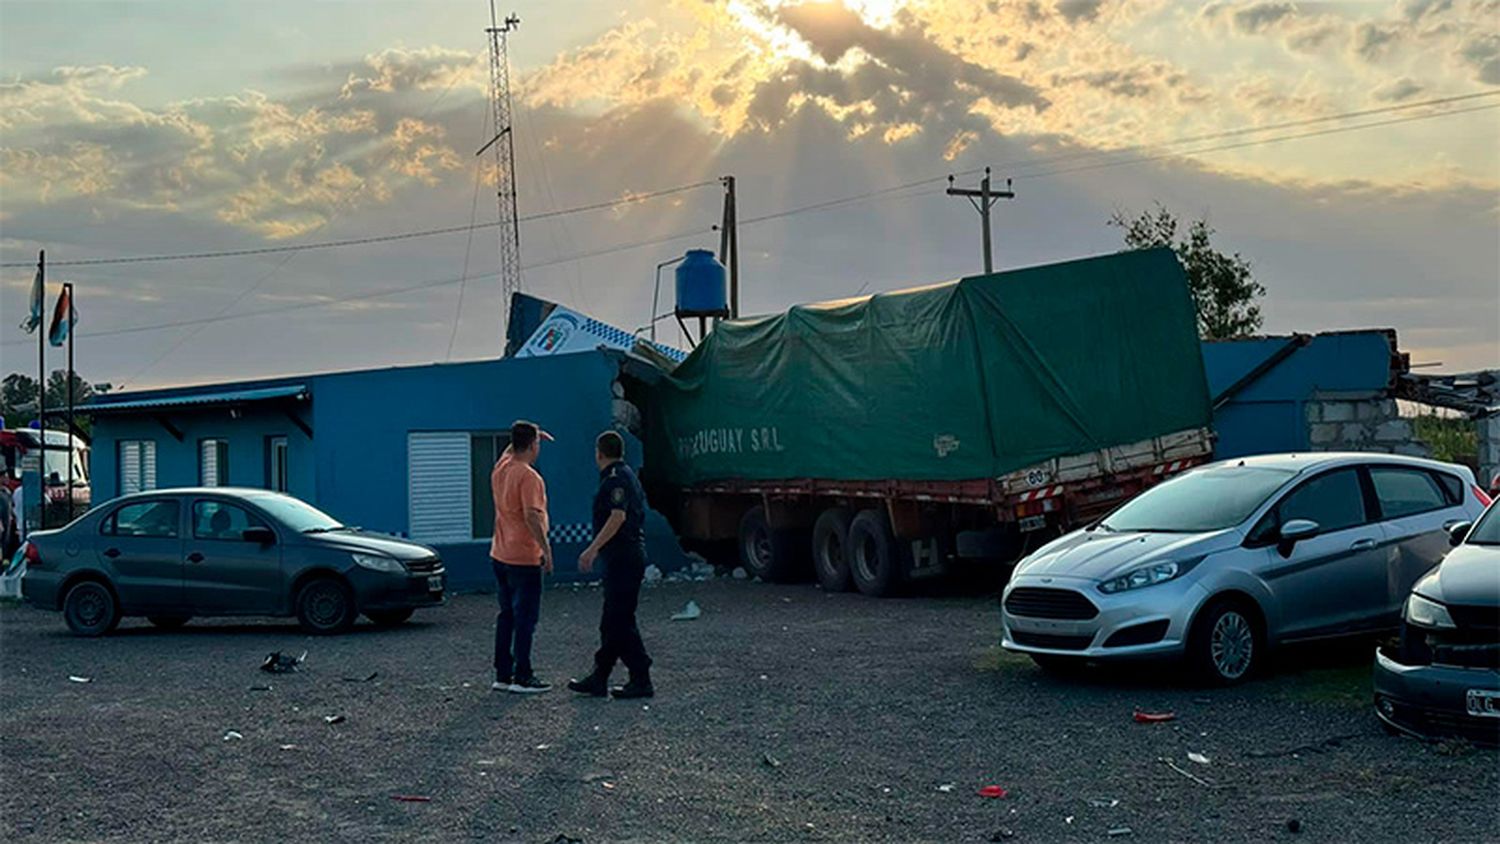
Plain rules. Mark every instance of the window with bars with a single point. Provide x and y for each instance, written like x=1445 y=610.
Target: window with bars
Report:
x=213 y=462
x=449 y=484
x=277 y=456
x=137 y=466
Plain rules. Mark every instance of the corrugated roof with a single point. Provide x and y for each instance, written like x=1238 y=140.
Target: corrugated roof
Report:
x=297 y=391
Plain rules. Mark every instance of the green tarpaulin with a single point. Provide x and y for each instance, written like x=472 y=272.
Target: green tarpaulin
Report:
x=957 y=381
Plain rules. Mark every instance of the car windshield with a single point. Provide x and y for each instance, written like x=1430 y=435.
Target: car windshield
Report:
x=297 y=515
x=1207 y=499
x=1487 y=530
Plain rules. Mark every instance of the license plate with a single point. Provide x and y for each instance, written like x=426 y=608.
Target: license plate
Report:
x=1483 y=703
x=1033 y=523
x=435 y=583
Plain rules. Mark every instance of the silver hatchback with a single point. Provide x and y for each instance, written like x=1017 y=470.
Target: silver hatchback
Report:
x=1224 y=562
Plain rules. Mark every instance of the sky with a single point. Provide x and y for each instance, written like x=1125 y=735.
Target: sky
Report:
x=151 y=128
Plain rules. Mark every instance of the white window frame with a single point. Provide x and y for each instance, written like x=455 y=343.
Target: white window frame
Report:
x=213 y=462
x=137 y=466
x=439 y=498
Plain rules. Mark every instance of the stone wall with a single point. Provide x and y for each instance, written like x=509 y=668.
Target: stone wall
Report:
x=1361 y=424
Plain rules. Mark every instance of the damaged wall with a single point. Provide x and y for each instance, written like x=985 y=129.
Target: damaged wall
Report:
x=1362 y=423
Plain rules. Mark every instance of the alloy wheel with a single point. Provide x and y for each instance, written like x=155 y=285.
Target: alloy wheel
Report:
x=1232 y=645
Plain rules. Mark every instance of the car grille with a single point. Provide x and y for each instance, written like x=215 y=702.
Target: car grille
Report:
x=431 y=564
x=1036 y=602
x=1050 y=640
x=1444 y=723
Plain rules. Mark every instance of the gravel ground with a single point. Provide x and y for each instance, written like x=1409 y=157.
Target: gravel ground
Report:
x=783 y=715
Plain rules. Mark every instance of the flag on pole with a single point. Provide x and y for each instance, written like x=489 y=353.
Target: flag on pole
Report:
x=38 y=304
x=63 y=317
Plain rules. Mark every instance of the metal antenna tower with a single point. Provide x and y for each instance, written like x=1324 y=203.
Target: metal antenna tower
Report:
x=505 y=160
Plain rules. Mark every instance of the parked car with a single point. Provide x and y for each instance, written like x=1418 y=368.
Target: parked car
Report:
x=1223 y=563
x=170 y=555
x=1444 y=677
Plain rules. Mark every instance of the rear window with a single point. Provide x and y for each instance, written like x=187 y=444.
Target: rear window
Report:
x=1406 y=492
x=153 y=519
x=1453 y=488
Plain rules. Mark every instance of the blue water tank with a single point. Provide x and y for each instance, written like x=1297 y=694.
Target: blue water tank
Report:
x=701 y=285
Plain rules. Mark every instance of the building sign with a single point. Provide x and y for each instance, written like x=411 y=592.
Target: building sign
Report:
x=565 y=332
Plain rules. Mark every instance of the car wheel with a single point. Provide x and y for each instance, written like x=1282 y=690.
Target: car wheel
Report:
x=388 y=618
x=90 y=609
x=1059 y=666
x=830 y=549
x=1226 y=645
x=325 y=605
x=168 y=622
x=877 y=561
x=774 y=556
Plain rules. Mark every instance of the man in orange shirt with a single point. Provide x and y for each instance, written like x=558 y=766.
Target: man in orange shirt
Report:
x=519 y=555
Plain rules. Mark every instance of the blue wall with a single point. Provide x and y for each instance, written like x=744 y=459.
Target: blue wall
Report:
x=1270 y=414
x=355 y=466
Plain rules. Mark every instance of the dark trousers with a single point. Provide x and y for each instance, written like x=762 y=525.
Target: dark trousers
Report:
x=520 y=605
x=619 y=637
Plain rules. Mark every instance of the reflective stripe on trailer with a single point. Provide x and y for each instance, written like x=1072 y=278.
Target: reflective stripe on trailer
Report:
x=1169 y=468
x=1039 y=494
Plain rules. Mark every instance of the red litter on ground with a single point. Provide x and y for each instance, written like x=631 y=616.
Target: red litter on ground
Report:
x=993 y=791
x=1154 y=717
x=411 y=798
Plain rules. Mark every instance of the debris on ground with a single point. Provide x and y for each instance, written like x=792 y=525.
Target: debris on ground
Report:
x=233 y=735
x=1189 y=774
x=1330 y=743
x=946 y=788
x=260 y=688
x=596 y=777
x=1294 y=826
x=287 y=747
x=334 y=719
x=653 y=574
x=1103 y=802
x=1002 y=834
x=277 y=662
x=1143 y=717
x=689 y=612
x=993 y=791
x=740 y=574
x=608 y=786
x=411 y=798
x=565 y=839
x=365 y=679
x=770 y=761
x=1199 y=758
x=1121 y=832
x=77 y=679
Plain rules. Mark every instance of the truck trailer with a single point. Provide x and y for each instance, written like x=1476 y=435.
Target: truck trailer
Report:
x=881 y=438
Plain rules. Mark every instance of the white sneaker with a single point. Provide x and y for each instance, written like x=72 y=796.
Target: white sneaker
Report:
x=498 y=686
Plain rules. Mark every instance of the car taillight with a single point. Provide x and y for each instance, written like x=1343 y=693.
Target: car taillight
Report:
x=33 y=556
x=1481 y=495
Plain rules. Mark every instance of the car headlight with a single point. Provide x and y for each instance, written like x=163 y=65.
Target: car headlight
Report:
x=1428 y=613
x=1143 y=576
x=375 y=562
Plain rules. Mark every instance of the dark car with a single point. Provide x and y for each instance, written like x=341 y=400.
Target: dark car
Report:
x=1443 y=680
x=170 y=555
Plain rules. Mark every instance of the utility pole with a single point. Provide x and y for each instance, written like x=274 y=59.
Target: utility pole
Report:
x=729 y=246
x=505 y=160
x=983 y=200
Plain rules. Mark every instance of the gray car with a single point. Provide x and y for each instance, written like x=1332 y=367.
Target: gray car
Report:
x=1223 y=563
x=170 y=555
x=1443 y=679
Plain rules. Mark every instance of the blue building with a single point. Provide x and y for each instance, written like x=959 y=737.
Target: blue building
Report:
x=406 y=450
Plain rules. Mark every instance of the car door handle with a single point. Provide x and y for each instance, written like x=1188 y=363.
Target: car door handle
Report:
x=195 y=557
x=112 y=553
x=1362 y=545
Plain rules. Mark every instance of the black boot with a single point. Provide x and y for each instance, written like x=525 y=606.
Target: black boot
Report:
x=639 y=686
x=594 y=685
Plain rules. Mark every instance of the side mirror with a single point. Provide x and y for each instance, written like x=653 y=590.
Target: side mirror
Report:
x=259 y=535
x=1458 y=532
x=1294 y=531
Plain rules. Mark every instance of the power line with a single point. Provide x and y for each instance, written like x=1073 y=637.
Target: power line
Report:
x=628 y=199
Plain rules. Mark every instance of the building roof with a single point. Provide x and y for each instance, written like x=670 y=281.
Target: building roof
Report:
x=201 y=399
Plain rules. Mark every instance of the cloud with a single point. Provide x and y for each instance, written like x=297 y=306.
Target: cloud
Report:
x=1261 y=16
x=1075 y=11
x=1396 y=90
x=1374 y=41
x=1481 y=53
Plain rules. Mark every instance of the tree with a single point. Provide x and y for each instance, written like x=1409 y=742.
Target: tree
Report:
x=1223 y=292
x=18 y=397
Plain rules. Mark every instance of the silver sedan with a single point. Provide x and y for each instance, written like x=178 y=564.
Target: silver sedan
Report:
x=1224 y=562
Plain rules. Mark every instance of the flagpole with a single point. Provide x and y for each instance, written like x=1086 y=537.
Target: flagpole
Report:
x=41 y=394
x=68 y=291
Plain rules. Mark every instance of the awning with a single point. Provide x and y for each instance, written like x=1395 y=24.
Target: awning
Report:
x=191 y=400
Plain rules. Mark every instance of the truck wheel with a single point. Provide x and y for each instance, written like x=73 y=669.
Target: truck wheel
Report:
x=830 y=549
x=774 y=556
x=325 y=605
x=877 y=561
x=90 y=609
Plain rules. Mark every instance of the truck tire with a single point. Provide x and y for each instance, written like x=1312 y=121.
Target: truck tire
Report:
x=774 y=556
x=830 y=549
x=877 y=560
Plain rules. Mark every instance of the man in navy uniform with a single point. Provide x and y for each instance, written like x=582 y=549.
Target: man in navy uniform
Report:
x=620 y=540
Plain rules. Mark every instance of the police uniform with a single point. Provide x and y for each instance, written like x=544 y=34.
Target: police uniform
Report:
x=624 y=559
